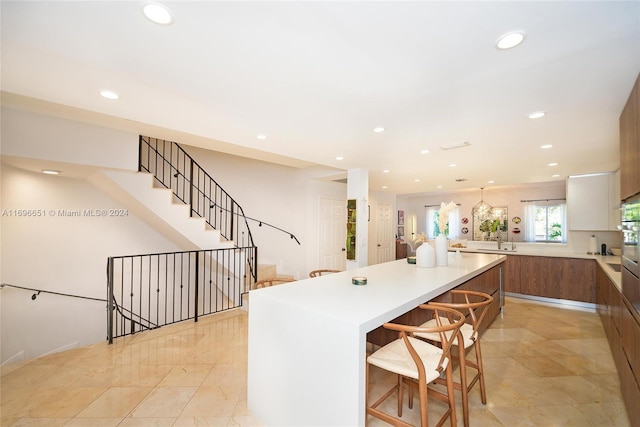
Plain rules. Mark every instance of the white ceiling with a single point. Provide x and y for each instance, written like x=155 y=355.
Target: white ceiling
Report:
x=317 y=77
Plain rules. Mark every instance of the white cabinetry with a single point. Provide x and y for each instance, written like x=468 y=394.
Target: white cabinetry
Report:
x=593 y=202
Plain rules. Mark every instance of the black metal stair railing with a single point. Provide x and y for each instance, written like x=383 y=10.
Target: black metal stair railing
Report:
x=152 y=290
x=191 y=184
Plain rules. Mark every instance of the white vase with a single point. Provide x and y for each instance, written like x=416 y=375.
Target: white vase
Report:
x=442 y=251
x=425 y=256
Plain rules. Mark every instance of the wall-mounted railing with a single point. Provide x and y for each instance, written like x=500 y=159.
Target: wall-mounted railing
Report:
x=152 y=290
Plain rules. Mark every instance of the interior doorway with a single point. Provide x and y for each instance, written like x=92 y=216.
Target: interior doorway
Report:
x=332 y=234
x=384 y=233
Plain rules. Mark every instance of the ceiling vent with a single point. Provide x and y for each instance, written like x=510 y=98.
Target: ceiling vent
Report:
x=455 y=145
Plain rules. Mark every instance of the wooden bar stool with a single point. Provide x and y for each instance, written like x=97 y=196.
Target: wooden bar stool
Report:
x=418 y=363
x=476 y=305
x=322 y=272
x=265 y=283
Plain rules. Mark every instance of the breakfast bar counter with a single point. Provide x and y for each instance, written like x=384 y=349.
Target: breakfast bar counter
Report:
x=307 y=339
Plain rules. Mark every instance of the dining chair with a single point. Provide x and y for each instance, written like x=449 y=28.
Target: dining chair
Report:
x=264 y=283
x=322 y=272
x=418 y=363
x=474 y=304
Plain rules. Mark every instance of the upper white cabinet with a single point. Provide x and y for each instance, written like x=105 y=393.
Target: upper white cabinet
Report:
x=593 y=202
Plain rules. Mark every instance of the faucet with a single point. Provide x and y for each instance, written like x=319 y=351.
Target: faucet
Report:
x=499 y=240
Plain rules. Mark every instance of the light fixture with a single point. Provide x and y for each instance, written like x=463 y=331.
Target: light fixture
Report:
x=417 y=180
x=537 y=115
x=339 y=158
x=482 y=209
x=490 y=181
x=261 y=136
x=158 y=13
x=509 y=40
x=385 y=171
x=379 y=129
x=452 y=165
x=454 y=145
x=425 y=151
x=384 y=187
x=552 y=164
x=546 y=146
x=50 y=172
x=555 y=176
x=109 y=94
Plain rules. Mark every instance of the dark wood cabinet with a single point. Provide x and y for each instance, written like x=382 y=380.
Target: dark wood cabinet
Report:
x=487 y=282
x=551 y=277
x=622 y=328
x=401 y=250
x=630 y=144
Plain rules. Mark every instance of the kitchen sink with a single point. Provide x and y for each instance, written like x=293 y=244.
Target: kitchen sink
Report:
x=497 y=250
x=615 y=267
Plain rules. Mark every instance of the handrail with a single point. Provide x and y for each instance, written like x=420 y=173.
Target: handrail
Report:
x=39 y=291
x=261 y=223
x=148 y=291
x=192 y=185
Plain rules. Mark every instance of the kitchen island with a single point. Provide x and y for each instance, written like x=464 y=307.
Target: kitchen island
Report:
x=307 y=339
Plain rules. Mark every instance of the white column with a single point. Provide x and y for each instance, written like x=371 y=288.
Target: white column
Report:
x=358 y=189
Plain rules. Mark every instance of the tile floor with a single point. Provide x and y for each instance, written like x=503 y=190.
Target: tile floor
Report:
x=545 y=366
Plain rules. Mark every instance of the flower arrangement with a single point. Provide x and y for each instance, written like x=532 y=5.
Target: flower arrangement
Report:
x=443 y=219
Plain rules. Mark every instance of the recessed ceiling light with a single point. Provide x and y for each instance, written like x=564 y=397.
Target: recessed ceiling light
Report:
x=452 y=165
x=384 y=187
x=509 y=40
x=385 y=171
x=157 y=13
x=455 y=145
x=552 y=164
x=417 y=180
x=537 y=115
x=490 y=181
x=425 y=151
x=50 y=172
x=261 y=136
x=439 y=186
x=378 y=129
x=339 y=158
x=555 y=176
x=546 y=146
x=109 y=94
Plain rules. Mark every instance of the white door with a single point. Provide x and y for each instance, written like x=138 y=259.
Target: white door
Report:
x=333 y=234
x=384 y=234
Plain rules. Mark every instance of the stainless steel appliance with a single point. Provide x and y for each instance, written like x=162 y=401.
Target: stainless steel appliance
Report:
x=630 y=255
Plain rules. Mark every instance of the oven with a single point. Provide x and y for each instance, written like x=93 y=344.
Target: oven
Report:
x=630 y=256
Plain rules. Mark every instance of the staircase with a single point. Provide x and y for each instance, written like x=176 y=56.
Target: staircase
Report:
x=141 y=194
x=218 y=264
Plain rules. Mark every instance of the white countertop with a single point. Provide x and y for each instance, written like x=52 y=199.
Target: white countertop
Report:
x=392 y=289
x=307 y=339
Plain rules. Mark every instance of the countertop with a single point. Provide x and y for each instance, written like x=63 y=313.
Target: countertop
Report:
x=392 y=289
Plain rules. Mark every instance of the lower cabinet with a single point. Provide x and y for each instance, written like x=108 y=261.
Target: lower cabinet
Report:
x=622 y=326
x=487 y=282
x=551 y=277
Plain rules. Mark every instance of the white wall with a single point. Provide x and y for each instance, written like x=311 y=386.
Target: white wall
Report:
x=285 y=197
x=60 y=254
x=34 y=136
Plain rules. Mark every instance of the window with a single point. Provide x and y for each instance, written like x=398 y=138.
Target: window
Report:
x=546 y=223
x=433 y=229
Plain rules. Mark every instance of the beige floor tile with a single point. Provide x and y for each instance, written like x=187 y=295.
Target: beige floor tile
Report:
x=115 y=402
x=544 y=366
x=164 y=402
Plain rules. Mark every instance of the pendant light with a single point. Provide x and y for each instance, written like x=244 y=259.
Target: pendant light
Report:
x=482 y=209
